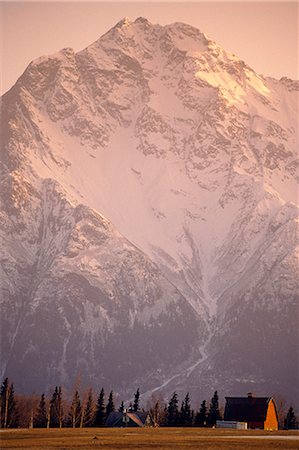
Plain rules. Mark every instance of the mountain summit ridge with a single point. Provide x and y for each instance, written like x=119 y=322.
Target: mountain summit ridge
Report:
x=148 y=218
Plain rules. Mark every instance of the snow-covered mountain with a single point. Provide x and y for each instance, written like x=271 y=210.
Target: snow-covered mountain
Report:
x=149 y=220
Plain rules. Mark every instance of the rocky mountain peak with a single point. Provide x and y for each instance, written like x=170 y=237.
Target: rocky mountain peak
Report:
x=146 y=206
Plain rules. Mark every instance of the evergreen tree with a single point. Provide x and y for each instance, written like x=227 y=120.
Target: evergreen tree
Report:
x=136 y=401
x=54 y=422
x=164 y=421
x=214 y=413
x=172 y=411
x=4 y=394
x=40 y=419
x=99 y=420
x=290 y=420
x=185 y=415
x=192 y=417
x=60 y=407
x=181 y=415
x=201 y=416
x=187 y=411
x=75 y=414
x=110 y=405
x=8 y=410
x=13 y=413
x=56 y=410
x=88 y=417
x=122 y=407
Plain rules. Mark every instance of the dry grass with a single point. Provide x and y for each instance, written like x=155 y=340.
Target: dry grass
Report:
x=145 y=439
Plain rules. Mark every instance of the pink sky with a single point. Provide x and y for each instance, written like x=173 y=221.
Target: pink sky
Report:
x=264 y=34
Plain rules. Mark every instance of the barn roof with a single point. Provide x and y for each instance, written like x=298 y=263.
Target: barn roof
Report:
x=246 y=409
x=115 y=418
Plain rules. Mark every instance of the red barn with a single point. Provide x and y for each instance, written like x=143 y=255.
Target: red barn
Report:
x=258 y=412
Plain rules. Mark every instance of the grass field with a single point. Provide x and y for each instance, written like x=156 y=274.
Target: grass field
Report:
x=150 y=438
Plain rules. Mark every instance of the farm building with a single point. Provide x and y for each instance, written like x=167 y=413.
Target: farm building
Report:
x=258 y=412
x=129 y=419
x=231 y=424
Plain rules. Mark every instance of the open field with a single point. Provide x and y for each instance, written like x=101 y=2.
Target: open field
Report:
x=150 y=438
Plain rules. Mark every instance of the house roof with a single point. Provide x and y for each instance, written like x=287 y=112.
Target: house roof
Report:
x=246 y=409
x=115 y=418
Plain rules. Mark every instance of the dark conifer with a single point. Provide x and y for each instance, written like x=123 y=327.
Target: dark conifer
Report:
x=100 y=410
x=54 y=422
x=201 y=416
x=110 y=405
x=181 y=415
x=13 y=413
x=89 y=412
x=185 y=415
x=214 y=413
x=3 y=403
x=172 y=411
x=4 y=392
x=192 y=417
x=136 y=401
x=13 y=409
x=8 y=411
x=290 y=420
x=56 y=409
x=60 y=407
x=122 y=407
x=40 y=419
x=164 y=421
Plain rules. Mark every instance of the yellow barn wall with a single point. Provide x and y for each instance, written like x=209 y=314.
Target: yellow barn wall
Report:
x=271 y=422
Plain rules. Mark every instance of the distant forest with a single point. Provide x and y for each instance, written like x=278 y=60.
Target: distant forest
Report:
x=90 y=410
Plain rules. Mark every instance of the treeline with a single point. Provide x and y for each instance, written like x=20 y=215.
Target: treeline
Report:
x=92 y=410
x=174 y=414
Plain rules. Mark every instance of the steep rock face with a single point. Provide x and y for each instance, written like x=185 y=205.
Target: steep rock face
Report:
x=148 y=218
x=78 y=298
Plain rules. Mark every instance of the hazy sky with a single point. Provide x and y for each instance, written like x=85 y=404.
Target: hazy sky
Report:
x=264 y=34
